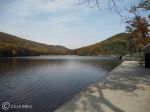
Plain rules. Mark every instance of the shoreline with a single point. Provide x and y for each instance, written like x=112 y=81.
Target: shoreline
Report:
x=124 y=89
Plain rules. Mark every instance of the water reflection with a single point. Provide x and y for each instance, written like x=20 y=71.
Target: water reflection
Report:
x=48 y=81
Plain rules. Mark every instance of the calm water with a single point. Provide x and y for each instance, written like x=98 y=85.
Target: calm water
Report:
x=46 y=82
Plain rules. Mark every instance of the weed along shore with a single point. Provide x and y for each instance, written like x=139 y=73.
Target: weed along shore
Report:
x=124 y=89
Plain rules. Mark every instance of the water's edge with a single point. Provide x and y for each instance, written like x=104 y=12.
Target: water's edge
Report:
x=86 y=88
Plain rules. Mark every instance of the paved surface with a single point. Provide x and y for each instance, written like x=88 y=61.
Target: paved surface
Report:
x=125 y=89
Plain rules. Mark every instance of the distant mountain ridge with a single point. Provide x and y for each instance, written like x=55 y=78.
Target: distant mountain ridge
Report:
x=11 y=45
x=118 y=44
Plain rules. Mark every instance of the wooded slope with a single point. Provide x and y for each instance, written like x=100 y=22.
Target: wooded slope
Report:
x=15 y=46
x=119 y=44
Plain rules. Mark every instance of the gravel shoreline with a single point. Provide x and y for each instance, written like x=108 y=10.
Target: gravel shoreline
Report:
x=124 y=89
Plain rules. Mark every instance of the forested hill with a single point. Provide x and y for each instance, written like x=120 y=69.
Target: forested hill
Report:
x=15 y=46
x=116 y=45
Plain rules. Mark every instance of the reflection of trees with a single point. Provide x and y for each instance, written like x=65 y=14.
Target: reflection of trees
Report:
x=23 y=64
x=106 y=65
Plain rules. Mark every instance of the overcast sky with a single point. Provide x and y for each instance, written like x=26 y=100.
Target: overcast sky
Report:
x=59 y=22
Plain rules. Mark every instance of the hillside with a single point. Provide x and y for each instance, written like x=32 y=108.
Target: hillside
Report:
x=15 y=46
x=120 y=44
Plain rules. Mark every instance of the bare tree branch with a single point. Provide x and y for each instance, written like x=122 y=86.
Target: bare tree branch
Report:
x=113 y=5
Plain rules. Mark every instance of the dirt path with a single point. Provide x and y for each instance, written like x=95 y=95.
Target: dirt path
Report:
x=125 y=89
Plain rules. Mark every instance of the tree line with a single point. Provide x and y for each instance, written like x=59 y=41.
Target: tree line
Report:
x=14 y=46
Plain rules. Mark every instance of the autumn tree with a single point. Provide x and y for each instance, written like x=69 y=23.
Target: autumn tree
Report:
x=144 y=4
x=138 y=26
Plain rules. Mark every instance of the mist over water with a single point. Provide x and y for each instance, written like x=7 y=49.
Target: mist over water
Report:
x=46 y=82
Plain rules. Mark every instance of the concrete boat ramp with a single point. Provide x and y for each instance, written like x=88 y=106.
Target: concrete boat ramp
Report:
x=124 y=89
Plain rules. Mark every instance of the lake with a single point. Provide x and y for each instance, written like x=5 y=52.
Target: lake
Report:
x=46 y=82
